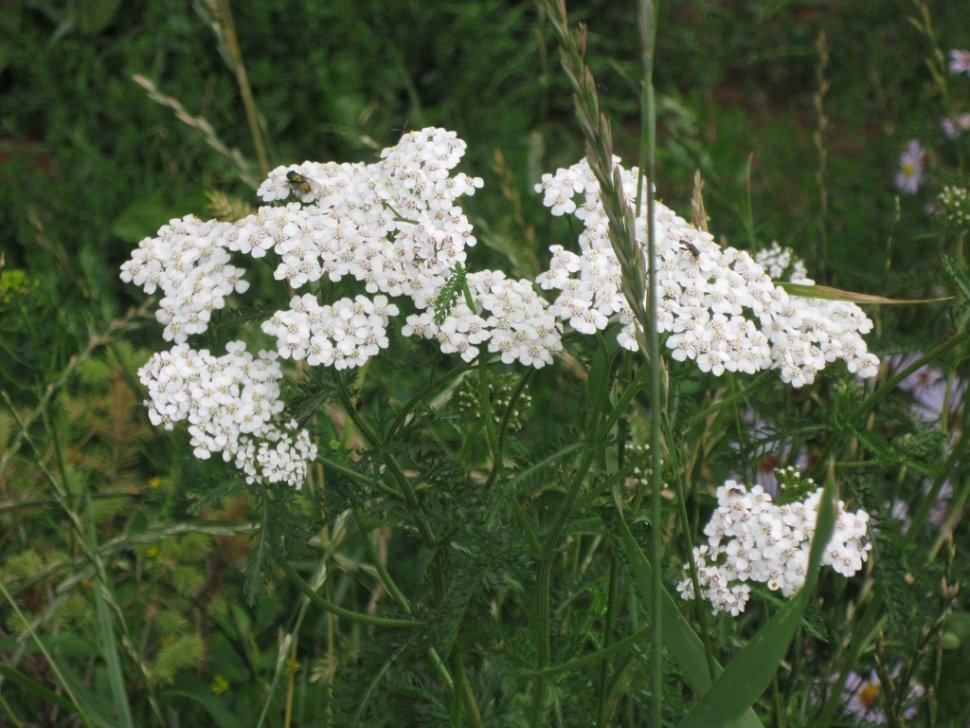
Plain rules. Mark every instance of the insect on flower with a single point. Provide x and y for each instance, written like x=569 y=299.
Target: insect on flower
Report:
x=298 y=183
x=690 y=248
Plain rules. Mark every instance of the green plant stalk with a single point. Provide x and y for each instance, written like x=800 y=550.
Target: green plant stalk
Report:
x=504 y=425
x=551 y=540
x=47 y=656
x=402 y=600
x=612 y=600
x=594 y=657
x=411 y=498
x=467 y=694
x=360 y=478
x=647 y=17
x=382 y=573
x=235 y=53
x=400 y=477
x=116 y=678
x=692 y=566
x=486 y=403
x=340 y=611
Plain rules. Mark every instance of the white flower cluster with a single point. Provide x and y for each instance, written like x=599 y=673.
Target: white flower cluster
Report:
x=718 y=306
x=513 y=320
x=343 y=335
x=750 y=539
x=232 y=405
x=394 y=226
x=189 y=263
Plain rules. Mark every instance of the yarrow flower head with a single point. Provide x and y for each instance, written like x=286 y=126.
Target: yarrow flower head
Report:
x=750 y=539
x=395 y=228
x=910 y=174
x=232 y=406
x=717 y=306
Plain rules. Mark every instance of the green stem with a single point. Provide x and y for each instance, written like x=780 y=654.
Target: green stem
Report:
x=467 y=694
x=594 y=657
x=340 y=611
x=382 y=573
x=611 y=604
x=235 y=53
x=647 y=17
x=486 y=401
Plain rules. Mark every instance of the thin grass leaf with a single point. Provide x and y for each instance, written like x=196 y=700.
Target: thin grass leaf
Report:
x=106 y=632
x=92 y=709
x=750 y=673
x=837 y=294
x=32 y=687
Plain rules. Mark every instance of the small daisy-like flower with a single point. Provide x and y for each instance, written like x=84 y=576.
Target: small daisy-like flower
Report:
x=861 y=696
x=953 y=126
x=960 y=62
x=910 y=174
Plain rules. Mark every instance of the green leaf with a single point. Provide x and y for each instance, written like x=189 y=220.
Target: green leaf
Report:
x=92 y=708
x=679 y=637
x=106 y=627
x=750 y=673
x=201 y=695
x=836 y=294
x=32 y=687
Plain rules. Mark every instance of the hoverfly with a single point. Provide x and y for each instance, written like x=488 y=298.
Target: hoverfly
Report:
x=299 y=184
x=690 y=248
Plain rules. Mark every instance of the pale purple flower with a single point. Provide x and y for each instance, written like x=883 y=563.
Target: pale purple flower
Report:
x=953 y=126
x=910 y=174
x=960 y=62
x=935 y=394
x=862 y=693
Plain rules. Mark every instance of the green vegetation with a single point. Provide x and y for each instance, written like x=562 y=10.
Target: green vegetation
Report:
x=473 y=543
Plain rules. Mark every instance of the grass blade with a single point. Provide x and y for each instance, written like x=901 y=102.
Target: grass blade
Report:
x=106 y=631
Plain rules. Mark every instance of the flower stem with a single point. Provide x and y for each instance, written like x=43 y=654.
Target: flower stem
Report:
x=235 y=53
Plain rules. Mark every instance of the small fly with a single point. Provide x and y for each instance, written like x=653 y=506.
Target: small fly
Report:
x=690 y=248
x=299 y=184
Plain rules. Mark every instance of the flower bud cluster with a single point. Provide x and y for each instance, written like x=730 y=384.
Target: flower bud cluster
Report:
x=781 y=264
x=718 y=306
x=954 y=206
x=232 y=406
x=750 y=539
